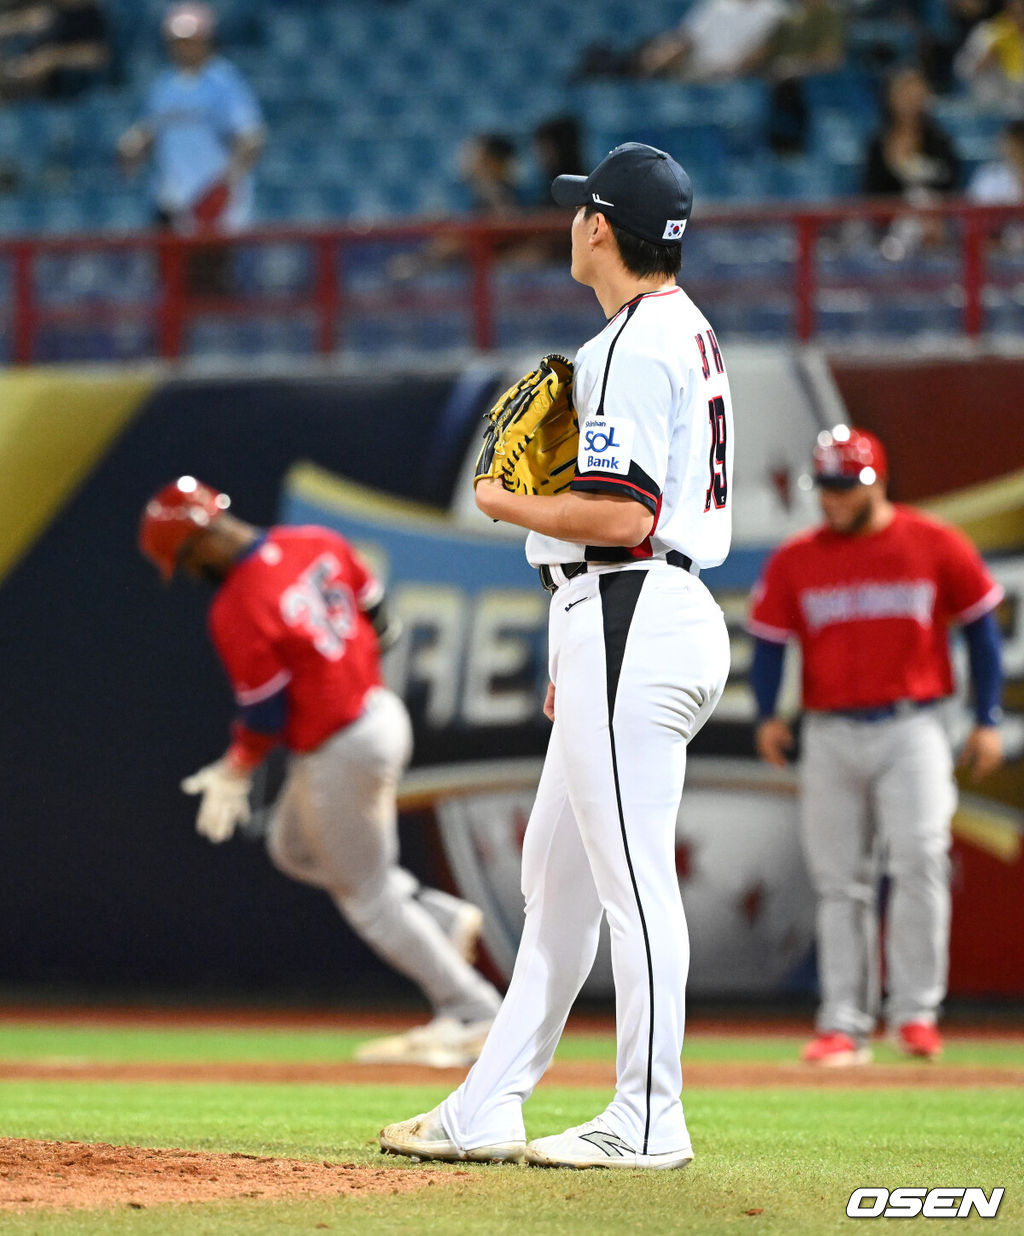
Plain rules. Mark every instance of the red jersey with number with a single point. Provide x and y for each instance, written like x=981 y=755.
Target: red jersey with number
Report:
x=872 y=612
x=290 y=618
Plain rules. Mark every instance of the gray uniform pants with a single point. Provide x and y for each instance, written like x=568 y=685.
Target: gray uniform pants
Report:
x=878 y=797
x=335 y=826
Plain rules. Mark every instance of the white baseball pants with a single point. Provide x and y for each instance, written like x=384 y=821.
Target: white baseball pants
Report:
x=877 y=797
x=639 y=658
x=335 y=827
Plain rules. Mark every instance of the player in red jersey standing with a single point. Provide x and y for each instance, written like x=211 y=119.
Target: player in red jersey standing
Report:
x=297 y=621
x=870 y=596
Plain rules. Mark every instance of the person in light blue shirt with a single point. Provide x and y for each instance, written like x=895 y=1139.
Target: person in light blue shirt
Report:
x=203 y=129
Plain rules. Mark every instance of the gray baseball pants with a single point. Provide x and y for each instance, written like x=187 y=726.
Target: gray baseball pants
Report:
x=878 y=797
x=336 y=827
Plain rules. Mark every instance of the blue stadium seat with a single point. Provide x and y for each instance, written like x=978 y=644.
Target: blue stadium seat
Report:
x=99 y=276
x=1004 y=316
x=770 y=318
x=125 y=211
x=850 y=91
x=926 y=315
x=124 y=341
x=975 y=133
x=800 y=178
x=882 y=40
x=436 y=333
x=274 y=203
x=845 y=316
x=221 y=338
x=291 y=35
x=274 y=269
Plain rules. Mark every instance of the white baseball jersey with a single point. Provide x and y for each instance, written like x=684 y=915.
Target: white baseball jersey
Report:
x=655 y=414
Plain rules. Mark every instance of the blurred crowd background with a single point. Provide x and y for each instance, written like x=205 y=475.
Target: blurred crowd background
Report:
x=376 y=110
x=362 y=116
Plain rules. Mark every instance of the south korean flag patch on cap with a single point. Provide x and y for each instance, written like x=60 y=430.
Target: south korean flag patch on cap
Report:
x=674 y=229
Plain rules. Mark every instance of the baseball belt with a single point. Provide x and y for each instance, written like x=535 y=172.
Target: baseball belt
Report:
x=569 y=570
x=884 y=712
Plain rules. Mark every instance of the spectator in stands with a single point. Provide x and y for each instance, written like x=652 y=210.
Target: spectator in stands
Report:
x=557 y=145
x=991 y=60
x=489 y=170
x=808 y=40
x=487 y=167
x=202 y=125
x=54 y=49
x=1001 y=182
x=912 y=157
x=716 y=40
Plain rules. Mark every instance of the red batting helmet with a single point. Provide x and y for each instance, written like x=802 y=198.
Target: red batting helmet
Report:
x=844 y=457
x=173 y=516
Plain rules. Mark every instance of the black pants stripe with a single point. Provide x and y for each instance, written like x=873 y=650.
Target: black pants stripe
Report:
x=620 y=592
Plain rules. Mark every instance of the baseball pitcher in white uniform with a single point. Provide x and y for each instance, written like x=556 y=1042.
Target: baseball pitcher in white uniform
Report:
x=638 y=658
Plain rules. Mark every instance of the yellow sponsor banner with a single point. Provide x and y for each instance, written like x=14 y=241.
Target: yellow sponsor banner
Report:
x=55 y=424
x=992 y=513
x=992 y=827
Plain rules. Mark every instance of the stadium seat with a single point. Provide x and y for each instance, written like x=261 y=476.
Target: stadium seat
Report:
x=127 y=340
x=849 y=91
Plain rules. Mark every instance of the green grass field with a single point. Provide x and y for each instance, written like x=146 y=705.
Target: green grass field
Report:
x=791 y=1156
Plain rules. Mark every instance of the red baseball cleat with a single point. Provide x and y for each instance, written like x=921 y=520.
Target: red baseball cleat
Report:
x=920 y=1038
x=834 y=1050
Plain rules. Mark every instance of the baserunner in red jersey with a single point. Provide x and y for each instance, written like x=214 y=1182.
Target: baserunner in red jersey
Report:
x=298 y=621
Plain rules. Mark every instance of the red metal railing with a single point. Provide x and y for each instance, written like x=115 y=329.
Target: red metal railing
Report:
x=482 y=246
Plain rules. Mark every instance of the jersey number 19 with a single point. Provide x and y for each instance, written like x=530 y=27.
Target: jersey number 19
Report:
x=718 y=487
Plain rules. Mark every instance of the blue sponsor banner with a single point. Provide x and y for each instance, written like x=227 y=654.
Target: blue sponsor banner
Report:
x=420 y=543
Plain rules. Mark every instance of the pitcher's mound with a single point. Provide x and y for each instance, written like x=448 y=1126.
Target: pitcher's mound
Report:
x=79 y=1174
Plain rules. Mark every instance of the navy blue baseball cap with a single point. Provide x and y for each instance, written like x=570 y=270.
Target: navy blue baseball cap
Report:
x=639 y=188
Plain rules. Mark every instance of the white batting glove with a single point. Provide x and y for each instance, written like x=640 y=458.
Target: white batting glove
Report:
x=225 y=802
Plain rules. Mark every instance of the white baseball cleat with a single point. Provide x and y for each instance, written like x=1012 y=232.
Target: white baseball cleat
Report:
x=444 y=1043
x=595 y=1145
x=423 y=1137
